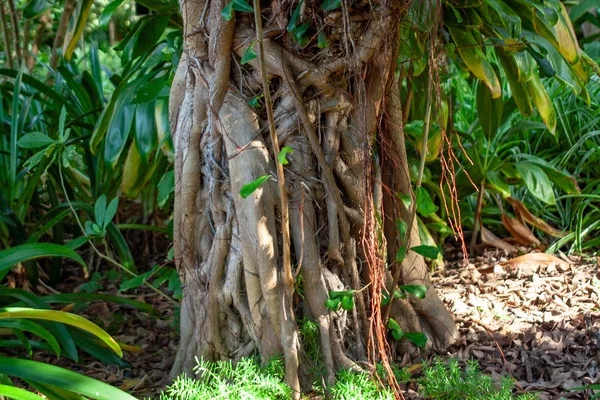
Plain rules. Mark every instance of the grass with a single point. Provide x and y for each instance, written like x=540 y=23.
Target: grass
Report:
x=248 y=379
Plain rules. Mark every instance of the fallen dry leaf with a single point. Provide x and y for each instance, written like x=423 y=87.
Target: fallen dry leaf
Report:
x=489 y=239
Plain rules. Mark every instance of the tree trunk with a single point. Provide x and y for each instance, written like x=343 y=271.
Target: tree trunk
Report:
x=328 y=105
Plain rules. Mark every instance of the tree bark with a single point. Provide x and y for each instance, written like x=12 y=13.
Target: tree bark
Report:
x=227 y=248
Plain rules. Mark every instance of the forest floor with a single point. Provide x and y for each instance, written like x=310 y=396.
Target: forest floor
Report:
x=535 y=318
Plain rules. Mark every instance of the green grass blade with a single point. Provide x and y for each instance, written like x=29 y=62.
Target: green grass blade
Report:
x=65 y=318
x=62 y=378
x=33 y=251
x=18 y=394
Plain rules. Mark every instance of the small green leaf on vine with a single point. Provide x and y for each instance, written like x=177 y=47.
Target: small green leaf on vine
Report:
x=401 y=254
x=397 y=332
x=255 y=101
x=249 y=54
x=427 y=251
x=237 y=5
x=425 y=205
x=298 y=33
x=251 y=187
x=418 y=291
x=282 y=157
x=418 y=338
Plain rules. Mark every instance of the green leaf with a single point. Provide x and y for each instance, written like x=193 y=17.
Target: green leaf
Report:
x=298 y=33
x=281 y=157
x=100 y=210
x=402 y=227
x=133 y=283
x=418 y=338
x=35 y=140
x=146 y=135
x=401 y=254
x=397 y=295
x=111 y=211
x=489 y=110
x=295 y=17
x=242 y=5
x=60 y=377
x=108 y=12
x=427 y=251
x=348 y=303
x=322 y=41
x=33 y=251
x=17 y=393
x=536 y=181
x=498 y=183
x=329 y=5
x=333 y=304
x=397 y=332
x=406 y=200
x=254 y=102
x=425 y=205
x=64 y=318
x=35 y=8
x=227 y=11
x=249 y=188
x=166 y=186
x=418 y=291
x=249 y=54
x=36 y=329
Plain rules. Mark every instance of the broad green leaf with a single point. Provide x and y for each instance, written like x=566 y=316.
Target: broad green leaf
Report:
x=249 y=54
x=402 y=227
x=489 y=110
x=419 y=291
x=118 y=131
x=536 y=181
x=425 y=205
x=498 y=183
x=426 y=251
x=146 y=136
x=242 y=5
x=62 y=317
x=134 y=282
x=60 y=377
x=298 y=32
x=108 y=12
x=329 y=5
x=35 y=8
x=111 y=211
x=33 y=251
x=166 y=186
x=563 y=180
x=251 y=187
x=406 y=200
x=282 y=156
x=580 y=9
x=227 y=11
x=397 y=332
x=35 y=140
x=333 y=304
x=348 y=303
x=17 y=393
x=418 y=338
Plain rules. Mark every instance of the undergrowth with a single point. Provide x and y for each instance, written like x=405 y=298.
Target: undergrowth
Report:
x=248 y=379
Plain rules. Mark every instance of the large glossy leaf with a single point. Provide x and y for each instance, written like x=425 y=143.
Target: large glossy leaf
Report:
x=62 y=317
x=80 y=16
x=146 y=136
x=35 y=8
x=118 y=132
x=33 y=251
x=60 y=377
x=108 y=12
x=536 y=181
